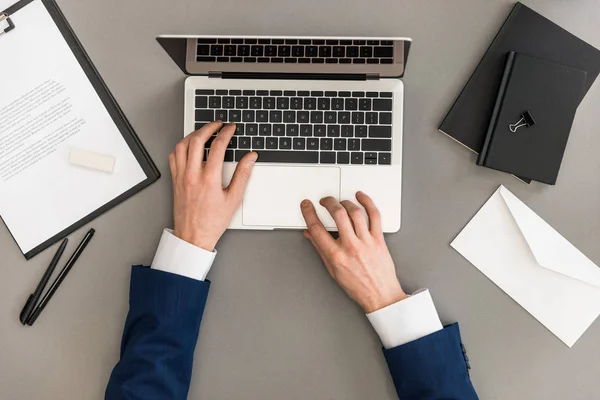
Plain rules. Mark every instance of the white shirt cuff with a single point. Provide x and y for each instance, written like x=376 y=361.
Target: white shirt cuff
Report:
x=182 y=258
x=407 y=320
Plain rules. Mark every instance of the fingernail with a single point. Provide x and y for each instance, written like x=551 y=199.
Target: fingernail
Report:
x=305 y=203
x=253 y=157
x=359 y=193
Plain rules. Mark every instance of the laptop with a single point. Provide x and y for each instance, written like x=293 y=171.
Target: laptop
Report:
x=324 y=114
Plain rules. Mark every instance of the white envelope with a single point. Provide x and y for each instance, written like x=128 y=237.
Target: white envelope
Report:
x=533 y=264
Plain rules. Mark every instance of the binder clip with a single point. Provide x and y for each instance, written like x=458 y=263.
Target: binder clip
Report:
x=6 y=24
x=526 y=120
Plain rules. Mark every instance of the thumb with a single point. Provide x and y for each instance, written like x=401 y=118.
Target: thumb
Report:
x=241 y=176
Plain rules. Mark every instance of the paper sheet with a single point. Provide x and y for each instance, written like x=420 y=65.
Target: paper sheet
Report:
x=47 y=108
x=4 y=4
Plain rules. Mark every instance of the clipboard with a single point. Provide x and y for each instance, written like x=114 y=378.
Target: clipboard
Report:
x=116 y=114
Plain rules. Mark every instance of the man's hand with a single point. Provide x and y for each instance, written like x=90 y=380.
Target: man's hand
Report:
x=202 y=207
x=359 y=260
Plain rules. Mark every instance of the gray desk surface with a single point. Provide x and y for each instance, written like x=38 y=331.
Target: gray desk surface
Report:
x=276 y=326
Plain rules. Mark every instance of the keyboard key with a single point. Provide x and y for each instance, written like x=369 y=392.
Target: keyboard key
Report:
x=229 y=50
x=262 y=92
x=344 y=94
x=264 y=130
x=243 y=51
x=239 y=129
x=358 y=117
x=324 y=103
x=358 y=61
x=326 y=144
x=203 y=50
x=298 y=51
x=327 y=157
x=289 y=93
x=252 y=129
x=316 y=93
x=277 y=60
x=262 y=116
x=296 y=103
x=358 y=94
x=370 y=154
x=352 y=52
x=236 y=59
x=249 y=59
x=351 y=104
x=320 y=130
x=312 y=144
x=275 y=116
x=248 y=116
x=284 y=51
x=344 y=117
x=204 y=92
x=223 y=40
x=333 y=130
x=216 y=50
x=376 y=145
x=360 y=131
x=283 y=103
x=272 y=143
x=258 y=143
x=264 y=41
x=302 y=117
x=214 y=102
x=373 y=42
x=387 y=42
x=237 y=41
x=292 y=130
x=386 y=94
x=332 y=41
x=306 y=130
x=303 y=93
x=343 y=157
x=382 y=105
x=347 y=131
x=244 y=142
x=345 y=61
x=299 y=157
x=241 y=102
x=229 y=156
x=255 y=103
x=304 y=60
x=311 y=51
x=331 y=94
x=339 y=144
x=263 y=60
x=221 y=115
x=233 y=143
x=278 y=130
x=317 y=60
x=370 y=161
x=330 y=117
x=276 y=93
x=199 y=125
x=366 y=52
x=364 y=104
x=270 y=51
x=289 y=117
x=310 y=103
x=337 y=104
x=235 y=116
x=257 y=51
x=386 y=61
x=318 y=41
x=250 y=41
x=346 y=42
x=228 y=102
x=353 y=144
x=269 y=103
x=207 y=40
x=339 y=51
x=239 y=154
x=385 y=118
x=285 y=143
x=383 y=52
x=372 y=118
x=331 y=60
x=222 y=92
x=385 y=158
x=356 y=158
x=205 y=115
x=372 y=61
x=316 y=117
x=299 y=143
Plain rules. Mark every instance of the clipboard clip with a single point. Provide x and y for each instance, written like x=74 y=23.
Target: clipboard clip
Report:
x=526 y=120
x=6 y=24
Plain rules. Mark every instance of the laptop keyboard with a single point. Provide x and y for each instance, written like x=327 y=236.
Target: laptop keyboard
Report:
x=301 y=126
x=306 y=51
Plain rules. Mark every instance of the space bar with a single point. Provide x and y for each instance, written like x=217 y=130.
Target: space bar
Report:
x=305 y=157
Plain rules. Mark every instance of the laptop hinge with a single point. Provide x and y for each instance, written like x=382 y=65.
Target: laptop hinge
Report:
x=292 y=76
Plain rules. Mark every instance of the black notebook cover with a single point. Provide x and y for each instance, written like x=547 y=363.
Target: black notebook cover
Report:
x=550 y=93
x=132 y=140
x=527 y=32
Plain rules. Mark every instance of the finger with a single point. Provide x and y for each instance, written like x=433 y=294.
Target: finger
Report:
x=173 y=166
x=181 y=149
x=340 y=216
x=197 y=143
x=241 y=176
x=319 y=251
x=315 y=227
x=216 y=157
x=372 y=212
x=358 y=217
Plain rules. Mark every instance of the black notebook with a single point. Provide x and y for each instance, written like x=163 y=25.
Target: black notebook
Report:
x=532 y=118
x=53 y=112
x=527 y=32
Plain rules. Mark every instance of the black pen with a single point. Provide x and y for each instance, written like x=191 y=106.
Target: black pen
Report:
x=35 y=296
x=61 y=277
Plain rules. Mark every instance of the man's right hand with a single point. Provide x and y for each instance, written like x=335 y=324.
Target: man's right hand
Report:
x=359 y=260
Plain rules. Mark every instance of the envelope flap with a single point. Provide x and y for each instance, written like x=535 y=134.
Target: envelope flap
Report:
x=550 y=249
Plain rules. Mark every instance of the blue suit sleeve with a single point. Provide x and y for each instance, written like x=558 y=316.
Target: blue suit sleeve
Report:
x=431 y=368
x=159 y=338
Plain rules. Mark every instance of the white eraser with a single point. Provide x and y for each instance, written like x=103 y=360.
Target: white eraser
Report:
x=87 y=159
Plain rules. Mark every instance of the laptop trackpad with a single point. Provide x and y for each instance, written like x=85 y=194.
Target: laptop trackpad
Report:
x=274 y=195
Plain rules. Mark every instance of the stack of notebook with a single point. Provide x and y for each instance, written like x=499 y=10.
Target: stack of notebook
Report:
x=517 y=109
